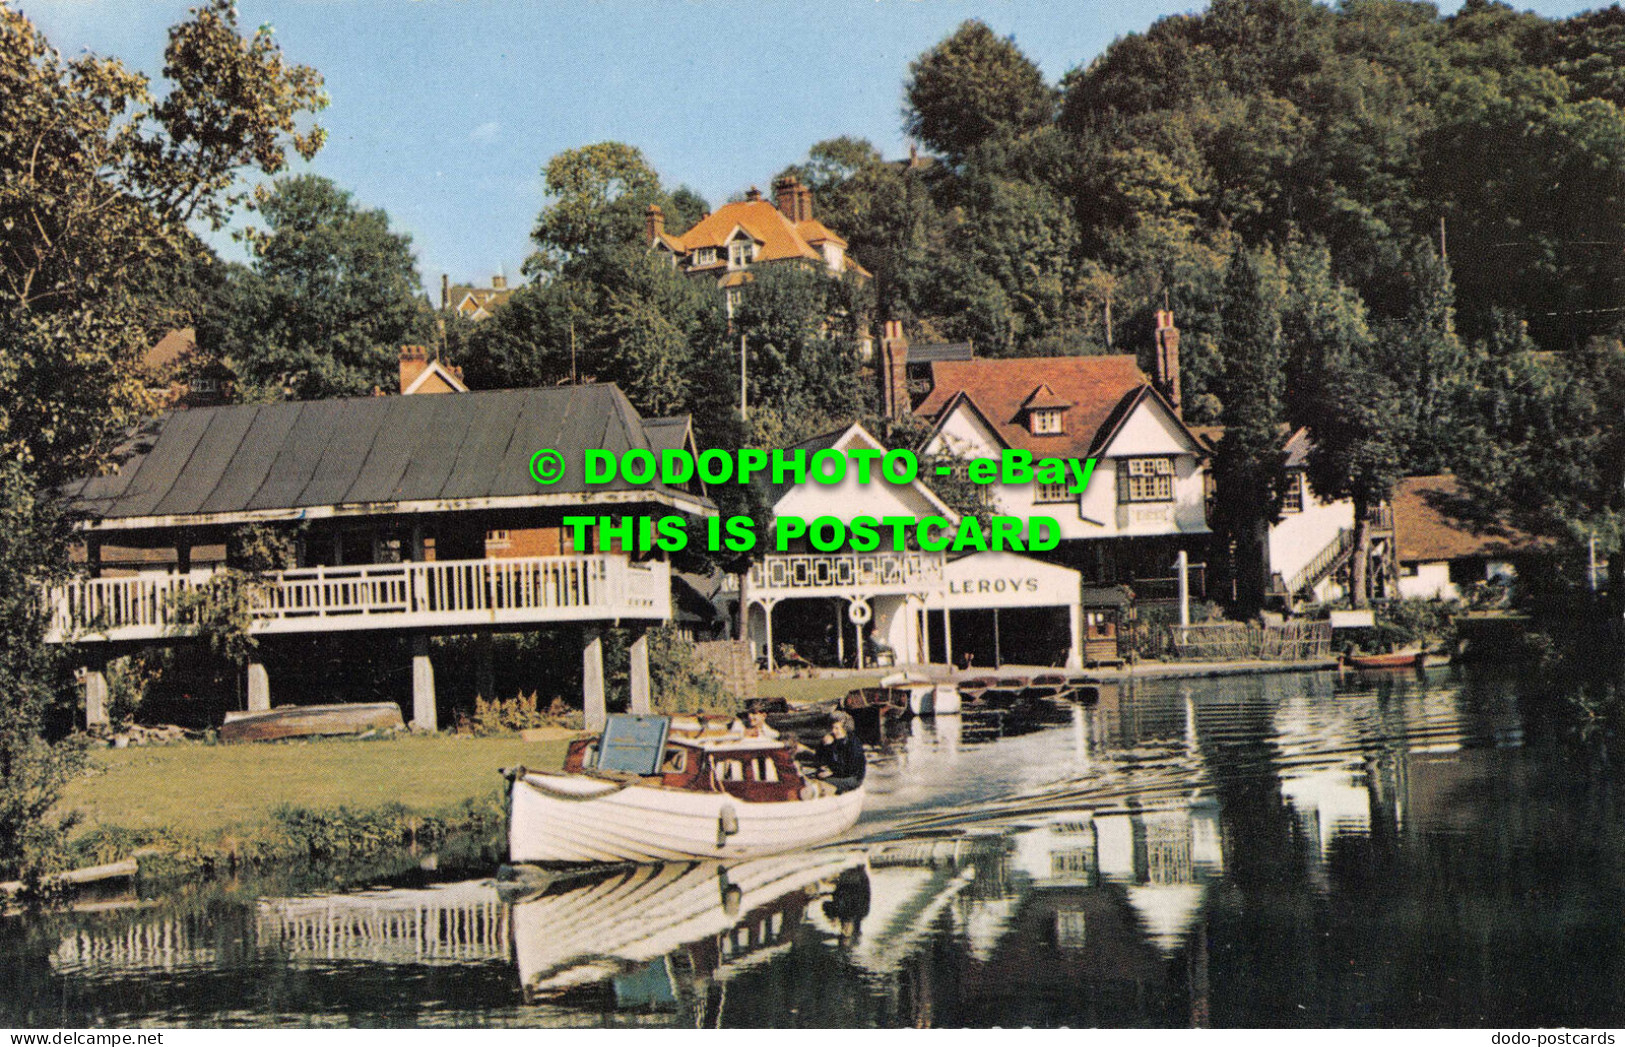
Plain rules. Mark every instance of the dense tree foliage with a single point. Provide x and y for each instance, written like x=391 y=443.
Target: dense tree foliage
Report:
x=98 y=181
x=330 y=296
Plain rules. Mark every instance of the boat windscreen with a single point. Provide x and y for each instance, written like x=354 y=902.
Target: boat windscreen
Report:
x=633 y=744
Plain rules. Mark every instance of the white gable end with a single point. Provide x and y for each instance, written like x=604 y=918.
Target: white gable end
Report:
x=850 y=499
x=1150 y=429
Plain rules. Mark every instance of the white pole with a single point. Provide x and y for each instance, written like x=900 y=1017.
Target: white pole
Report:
x=744 y=408
x=1183 y=566
x=1591 y=572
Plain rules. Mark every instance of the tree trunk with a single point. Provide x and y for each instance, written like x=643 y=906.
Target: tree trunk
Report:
x=1360 y=558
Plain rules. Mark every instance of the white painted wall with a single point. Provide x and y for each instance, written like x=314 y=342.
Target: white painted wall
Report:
x=850 y=499
x=1300 y=537
x=1431 y=581
x=1149 y=431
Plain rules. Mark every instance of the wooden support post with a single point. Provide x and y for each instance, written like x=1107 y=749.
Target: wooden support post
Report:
x=484 y=674
x=592 y=677
x=767 y=614
x=425 y=714
x=259 y=688
x=1074 y=657
x=95 y=681
x=638 y=673
x=840 y=636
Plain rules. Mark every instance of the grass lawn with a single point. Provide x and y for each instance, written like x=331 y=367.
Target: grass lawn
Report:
x=814 y=690
x=204 y=790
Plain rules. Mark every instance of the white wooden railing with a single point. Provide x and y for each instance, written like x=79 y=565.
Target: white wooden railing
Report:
x=847 y=572
x=378 y=596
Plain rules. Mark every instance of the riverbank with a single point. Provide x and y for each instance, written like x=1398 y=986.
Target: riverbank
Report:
x=830 y=685
x=323 y=797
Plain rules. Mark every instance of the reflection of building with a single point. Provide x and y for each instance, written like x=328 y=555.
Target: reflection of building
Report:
x=450 y=923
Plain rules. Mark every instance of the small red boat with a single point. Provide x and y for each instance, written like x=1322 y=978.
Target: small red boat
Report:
x=1393 y=660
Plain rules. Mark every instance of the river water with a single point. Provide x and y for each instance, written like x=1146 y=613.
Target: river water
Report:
x=1296 y=850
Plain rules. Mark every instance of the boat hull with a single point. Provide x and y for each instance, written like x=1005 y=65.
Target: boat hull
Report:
x=1400 y=660
x=566 y=818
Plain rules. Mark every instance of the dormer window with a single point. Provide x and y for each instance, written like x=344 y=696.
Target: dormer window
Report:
x=705 y=256
x=740 y=253
x=1044 y=412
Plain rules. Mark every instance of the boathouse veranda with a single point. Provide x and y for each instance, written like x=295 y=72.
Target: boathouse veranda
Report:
x=411 y=517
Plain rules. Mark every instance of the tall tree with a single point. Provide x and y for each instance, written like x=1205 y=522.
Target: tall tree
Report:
x=1340 y=389
x=97 y=184
x=973 y=88
x=1248 y=467
x=328 y=299
x=600 y=194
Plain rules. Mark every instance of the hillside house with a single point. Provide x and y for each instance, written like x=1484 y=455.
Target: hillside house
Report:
x=393 y=501
x=727 y=244
x=475 y=303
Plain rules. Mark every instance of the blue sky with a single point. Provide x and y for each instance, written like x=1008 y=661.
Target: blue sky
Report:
x=444 y=111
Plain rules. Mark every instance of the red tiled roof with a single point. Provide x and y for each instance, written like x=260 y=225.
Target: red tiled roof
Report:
x=1431 y=523
x=815 y=232
x=1095 y=387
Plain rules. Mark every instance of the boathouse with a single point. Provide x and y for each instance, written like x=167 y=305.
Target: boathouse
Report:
x=905 y=606
x=401 y=511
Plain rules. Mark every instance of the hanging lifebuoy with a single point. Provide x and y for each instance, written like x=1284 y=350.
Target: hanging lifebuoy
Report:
x=858 y=612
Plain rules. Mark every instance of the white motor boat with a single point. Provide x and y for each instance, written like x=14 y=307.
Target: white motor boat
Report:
x=648 y=790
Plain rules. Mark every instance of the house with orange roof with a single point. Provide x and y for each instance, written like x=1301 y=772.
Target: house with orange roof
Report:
x=728 y=243
x=1147 y=497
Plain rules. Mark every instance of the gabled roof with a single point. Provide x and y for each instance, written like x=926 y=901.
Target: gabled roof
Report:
x=1044 y=399
x=815 y=232
x=764 y=222
x=839 y=437
x=435 y=371
x=1095 y=387
x=305 y=460
x=170 y=351
x=1433 y=521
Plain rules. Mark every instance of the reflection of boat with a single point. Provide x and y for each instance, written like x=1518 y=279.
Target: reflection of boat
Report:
x=644 y=791
x=591 y=932
x=926 y=697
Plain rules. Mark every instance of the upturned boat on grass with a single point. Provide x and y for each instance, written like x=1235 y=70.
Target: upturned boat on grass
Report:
x=652 y=788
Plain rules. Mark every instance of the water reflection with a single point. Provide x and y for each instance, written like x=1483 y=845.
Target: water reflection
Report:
x=1293 y=850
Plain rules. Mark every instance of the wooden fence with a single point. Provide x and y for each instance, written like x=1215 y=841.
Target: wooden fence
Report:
x=1235 y=641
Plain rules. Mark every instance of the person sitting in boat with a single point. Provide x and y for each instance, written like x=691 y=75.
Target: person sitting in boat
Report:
x=754 y=725
x=840 y=755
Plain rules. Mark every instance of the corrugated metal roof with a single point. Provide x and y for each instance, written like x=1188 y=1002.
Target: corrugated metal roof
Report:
x=325 y=453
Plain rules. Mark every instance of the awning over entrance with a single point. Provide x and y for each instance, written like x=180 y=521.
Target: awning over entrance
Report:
x=1004 y=580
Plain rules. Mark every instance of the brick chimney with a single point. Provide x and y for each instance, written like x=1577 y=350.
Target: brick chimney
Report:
x=414 y=361
x=654 y=223
x=793 y=199
x=784 y=195
x=499 y=282
x=894 y=370
x=753 y=194
x=1168 y=357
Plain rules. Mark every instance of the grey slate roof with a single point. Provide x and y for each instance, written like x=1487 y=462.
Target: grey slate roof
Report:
x=325 y=453
x=925 y=354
